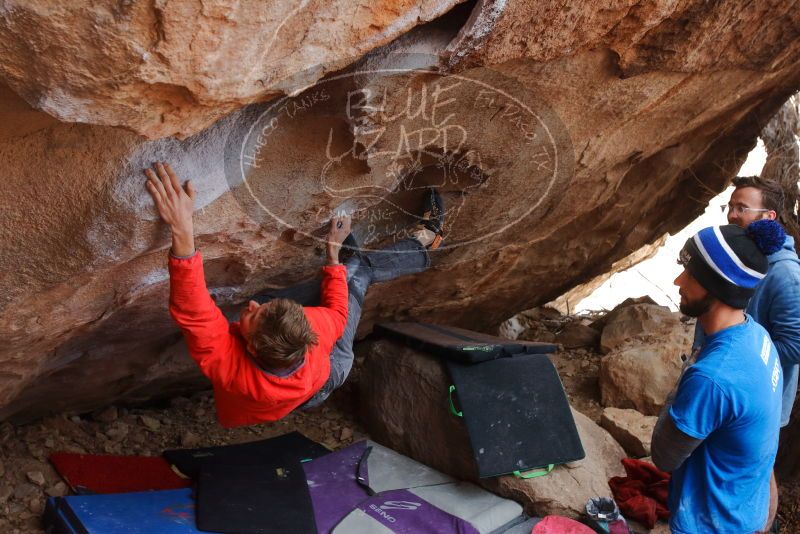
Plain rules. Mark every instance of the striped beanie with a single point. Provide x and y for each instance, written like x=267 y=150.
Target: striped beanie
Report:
x=729 y=261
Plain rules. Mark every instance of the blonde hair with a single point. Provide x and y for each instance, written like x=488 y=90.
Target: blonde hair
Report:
x=283 y=335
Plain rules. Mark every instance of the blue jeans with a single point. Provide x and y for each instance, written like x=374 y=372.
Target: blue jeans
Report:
x=408 y=256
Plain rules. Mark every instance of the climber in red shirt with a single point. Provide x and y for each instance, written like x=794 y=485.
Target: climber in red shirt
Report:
x=280 y=355
x=277 y=355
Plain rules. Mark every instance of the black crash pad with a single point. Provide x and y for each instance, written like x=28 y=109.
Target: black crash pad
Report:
x=261 y=498
x=293 y=446
x=458 y=344
x=516 y=413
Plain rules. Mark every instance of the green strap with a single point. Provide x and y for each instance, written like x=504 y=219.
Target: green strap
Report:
x=534 y=473
x=453 y=406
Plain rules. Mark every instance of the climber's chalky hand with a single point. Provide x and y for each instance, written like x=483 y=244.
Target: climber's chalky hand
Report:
x=175 y=205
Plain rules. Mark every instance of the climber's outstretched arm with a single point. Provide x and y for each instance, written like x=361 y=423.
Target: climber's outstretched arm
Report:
x=204 y=326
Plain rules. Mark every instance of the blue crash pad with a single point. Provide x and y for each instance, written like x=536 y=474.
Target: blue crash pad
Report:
x=146 y=512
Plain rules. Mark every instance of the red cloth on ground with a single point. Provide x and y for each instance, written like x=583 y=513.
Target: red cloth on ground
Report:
x=243 y=393
x=116 y=474
x=642 y=494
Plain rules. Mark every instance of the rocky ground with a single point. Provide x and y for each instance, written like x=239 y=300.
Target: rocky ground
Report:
x=27 y=478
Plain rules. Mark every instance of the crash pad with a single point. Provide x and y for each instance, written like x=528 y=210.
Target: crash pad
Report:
x=279 y=449
x=164 y=512
x=516 y=413
x=369 y=488
x=458 y=344
x=261 y=498
x=92 y=473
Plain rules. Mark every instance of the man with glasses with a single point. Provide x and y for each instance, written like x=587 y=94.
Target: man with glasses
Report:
x=776 y=301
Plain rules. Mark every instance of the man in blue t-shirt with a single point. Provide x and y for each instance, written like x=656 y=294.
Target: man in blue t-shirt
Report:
x=775 y=304
x=718 y=434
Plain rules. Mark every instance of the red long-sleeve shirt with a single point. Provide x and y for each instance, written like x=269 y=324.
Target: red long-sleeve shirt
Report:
x=245 y=394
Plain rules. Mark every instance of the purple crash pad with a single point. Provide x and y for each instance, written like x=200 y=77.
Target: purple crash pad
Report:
x=333 y=486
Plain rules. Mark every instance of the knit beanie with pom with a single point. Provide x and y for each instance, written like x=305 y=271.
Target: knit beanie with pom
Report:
x=729 y=261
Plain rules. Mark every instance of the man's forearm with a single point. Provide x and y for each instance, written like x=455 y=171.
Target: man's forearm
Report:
x=333 y=258
x=670 y=447
x=182 y=242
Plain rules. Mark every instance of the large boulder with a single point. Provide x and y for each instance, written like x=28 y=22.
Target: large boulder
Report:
x=564 y=138
x=404 y=406
x=625 y=324
x=647 y=344
x=630 y=428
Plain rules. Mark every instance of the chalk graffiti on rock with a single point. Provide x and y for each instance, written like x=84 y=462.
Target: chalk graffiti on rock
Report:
x=379 y=139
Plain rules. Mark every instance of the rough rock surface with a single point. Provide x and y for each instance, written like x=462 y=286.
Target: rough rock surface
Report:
x=646 y=343
x=626 y=324
x=404 y=406
x=564 y=137
x=630 y=428
x=173 y=68
x=577 y=335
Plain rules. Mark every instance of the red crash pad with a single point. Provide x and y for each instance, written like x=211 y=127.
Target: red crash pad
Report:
x=88 y=473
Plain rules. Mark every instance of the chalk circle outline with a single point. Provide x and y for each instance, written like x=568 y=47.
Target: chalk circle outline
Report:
x=553 y=142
